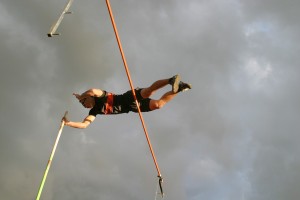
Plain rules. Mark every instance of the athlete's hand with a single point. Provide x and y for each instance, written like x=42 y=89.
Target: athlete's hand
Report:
x=65 y=120
x=78 y=96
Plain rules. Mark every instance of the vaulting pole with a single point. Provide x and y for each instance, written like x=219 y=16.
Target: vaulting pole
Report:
x=50 y=159
x=134 y=95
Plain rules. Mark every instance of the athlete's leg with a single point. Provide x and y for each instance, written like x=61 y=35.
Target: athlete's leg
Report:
x=177 y=86
x=157 y=104
x=147 y=92
x=174 y=81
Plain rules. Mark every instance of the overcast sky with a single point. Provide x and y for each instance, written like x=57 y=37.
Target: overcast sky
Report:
x=234 y=136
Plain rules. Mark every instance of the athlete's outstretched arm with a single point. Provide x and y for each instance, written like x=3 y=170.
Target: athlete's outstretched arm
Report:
x=84 y=124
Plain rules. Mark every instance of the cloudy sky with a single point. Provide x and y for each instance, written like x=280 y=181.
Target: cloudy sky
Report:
x=234 y=136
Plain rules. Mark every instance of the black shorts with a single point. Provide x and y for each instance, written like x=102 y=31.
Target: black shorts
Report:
x=130 y=101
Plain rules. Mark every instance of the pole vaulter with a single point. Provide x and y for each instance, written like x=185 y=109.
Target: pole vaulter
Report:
x=57 y=23
x=50 y=159
x=132 y=88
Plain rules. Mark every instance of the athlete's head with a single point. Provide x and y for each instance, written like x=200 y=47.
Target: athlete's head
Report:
x=86 y=99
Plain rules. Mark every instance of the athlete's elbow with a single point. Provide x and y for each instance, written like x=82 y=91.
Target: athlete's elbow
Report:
x=84 y=125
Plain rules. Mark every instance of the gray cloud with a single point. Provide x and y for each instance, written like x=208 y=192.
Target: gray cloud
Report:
x=233 y=136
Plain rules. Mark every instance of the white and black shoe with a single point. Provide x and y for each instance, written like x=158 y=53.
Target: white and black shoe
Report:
x=182 y=87
x=174 y=81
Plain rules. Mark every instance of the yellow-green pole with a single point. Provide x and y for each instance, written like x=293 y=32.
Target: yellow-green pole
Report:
x=50 y=159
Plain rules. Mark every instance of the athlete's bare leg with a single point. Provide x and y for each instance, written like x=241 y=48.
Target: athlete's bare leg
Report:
x=177 y=86
x=147 y=92
x=157 y=104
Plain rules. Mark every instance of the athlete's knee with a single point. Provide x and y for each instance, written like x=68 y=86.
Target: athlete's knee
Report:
x=146 y=93
x=157 y=104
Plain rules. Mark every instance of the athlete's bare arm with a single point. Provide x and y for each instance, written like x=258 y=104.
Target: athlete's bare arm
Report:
x=84 y=124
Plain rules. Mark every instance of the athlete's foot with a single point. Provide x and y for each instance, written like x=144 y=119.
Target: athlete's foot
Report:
x=184 y=86
x=174 y=81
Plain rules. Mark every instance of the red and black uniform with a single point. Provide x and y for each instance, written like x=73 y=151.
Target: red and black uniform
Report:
x=110 y=103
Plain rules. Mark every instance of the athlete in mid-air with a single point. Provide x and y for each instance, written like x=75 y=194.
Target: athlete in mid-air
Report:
x=104 y=103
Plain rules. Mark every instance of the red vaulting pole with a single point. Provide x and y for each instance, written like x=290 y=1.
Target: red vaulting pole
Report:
x=133 y=92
